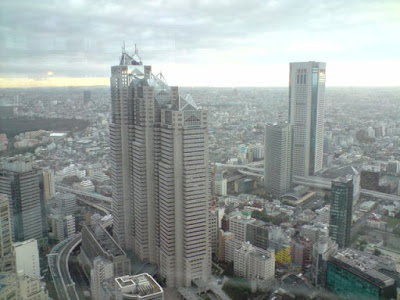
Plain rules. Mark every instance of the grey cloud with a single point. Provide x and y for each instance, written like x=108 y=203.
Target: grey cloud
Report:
x=83 y=38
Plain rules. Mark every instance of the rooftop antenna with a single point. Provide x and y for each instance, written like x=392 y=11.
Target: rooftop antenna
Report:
x=123 y=47
x=136 y=50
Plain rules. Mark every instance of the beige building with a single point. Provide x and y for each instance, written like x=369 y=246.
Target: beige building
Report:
x=160 y=175
x=306 y=114
x=223 y=237
x=103 y=270
x=255 y=264
x=49 y=188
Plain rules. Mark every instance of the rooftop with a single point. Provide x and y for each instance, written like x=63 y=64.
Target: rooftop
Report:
x=105 y=240
x=366 y=266
x=142 y=284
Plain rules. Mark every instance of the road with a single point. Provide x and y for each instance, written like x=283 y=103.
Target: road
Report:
x=57 y=259
x=63 y=256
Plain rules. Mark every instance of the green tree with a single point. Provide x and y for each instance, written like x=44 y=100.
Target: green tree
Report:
x=377 y=252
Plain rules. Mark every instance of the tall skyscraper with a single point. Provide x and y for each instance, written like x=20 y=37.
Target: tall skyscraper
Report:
x=24 y=187
x=160 y=175
x=306 y=113
x=341 y=211
x=6 y=256
x=277 y=158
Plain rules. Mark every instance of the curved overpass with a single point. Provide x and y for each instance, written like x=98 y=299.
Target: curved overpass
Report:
x=58 y=264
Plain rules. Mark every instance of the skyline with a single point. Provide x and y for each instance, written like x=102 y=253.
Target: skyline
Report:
x=227 y=44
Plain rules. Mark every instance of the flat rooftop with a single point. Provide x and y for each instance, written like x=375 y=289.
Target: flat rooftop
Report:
x=365 y=265
x=142 y=284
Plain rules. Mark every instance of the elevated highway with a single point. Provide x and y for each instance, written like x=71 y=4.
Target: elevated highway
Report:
x=325 y=183
x=87 y=195
x=58 y=264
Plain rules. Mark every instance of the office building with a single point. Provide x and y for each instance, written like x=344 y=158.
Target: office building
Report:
x=353 y=274
x=341 y=211
x=238 y=225
x=160 y=174
x=257 y=234
x=6 y=256
x=223 y=237
x=306 y=114
x=27 y=258
x=322 y=251
x=301 y=253
x=23 y=185
x=49 y=188
x=62 y=226
x=277 y=158
x=66 y=203
x=220 y=185
x=8 y=288
x=254 y=263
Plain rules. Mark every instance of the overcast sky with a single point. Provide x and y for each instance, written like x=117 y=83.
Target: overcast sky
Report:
x=200 y=43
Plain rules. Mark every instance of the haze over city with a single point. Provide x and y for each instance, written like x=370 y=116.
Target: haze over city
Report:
x=199 y=150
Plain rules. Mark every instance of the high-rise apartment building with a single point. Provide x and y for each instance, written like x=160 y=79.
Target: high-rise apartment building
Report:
x=23 y=185
x=277 y=158
x=6 y=256
x=160 y=174
x=306 y=113
x=341 y=211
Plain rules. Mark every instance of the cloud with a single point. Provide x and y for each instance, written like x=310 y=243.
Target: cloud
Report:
x=83 y=38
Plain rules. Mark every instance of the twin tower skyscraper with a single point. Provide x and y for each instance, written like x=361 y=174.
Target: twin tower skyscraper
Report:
x=160 y=173
x=296 y=148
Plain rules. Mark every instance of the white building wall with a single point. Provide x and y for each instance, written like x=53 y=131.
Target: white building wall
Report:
x=26 y=255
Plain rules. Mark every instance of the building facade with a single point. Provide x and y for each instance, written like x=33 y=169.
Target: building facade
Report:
x=278 y=158
x=341 y=211
x=160 y=175
x=6 y=256
x=24 y=187
x=306 y=114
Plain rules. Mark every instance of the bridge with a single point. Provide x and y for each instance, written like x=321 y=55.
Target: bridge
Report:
x=325 y=183
x=101 y=207
x=87 y=195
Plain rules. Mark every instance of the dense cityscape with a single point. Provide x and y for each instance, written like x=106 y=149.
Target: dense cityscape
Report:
x=142 y=190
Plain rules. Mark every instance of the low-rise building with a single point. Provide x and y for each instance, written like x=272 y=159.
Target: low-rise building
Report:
x=355 y=274
x=138 y=287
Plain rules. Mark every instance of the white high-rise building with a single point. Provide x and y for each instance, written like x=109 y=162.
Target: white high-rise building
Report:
x=278 y=158
x=160 y=174
x=26 y=255
x=306 y=114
